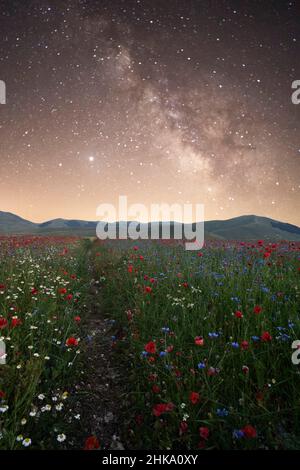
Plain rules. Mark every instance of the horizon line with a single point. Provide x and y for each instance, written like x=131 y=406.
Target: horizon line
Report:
x=148 y=222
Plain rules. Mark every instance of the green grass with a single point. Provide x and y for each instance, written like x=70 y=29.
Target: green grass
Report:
x=164 y=298
x=41 y=295
x=193 y=296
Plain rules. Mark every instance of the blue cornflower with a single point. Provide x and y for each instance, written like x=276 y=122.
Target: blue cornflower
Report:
x=284 y=337
x=213 y=334
x=235 y=345
x=201 y=365
x=221 y=412
x=162 y=354
x=165 y=329
x=265 y=289
x=237 y=434
x=255 y=338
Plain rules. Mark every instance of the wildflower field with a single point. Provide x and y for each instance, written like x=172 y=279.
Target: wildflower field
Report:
x=208 y=342
x=203 y=340
x=40 y=301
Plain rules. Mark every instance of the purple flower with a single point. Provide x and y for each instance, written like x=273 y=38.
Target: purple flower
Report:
x=237 y=434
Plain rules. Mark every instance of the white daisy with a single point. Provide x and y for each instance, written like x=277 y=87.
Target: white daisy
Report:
x=26 y=442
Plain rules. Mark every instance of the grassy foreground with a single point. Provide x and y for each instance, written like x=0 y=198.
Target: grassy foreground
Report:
x=208 y=340
x=41 y=300
x=204 y=338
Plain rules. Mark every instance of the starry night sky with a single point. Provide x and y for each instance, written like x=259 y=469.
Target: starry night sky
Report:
x=169 y=101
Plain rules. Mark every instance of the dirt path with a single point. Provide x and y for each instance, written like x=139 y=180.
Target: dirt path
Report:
x=101 y=403
x=100 y=393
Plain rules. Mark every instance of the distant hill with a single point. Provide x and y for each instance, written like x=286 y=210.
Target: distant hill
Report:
x=252 y=227
x=11 y=223
x=247 y=227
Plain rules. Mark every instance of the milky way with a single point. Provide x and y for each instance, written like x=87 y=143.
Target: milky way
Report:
x=162 y=101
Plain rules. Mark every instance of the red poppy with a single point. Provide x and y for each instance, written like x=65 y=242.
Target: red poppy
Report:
x=69 y=297
x=183 y=427
x=155 y=389
x=148 y=289
x=152 y=377
x=91 y=443
x=244 y=345
x=249 y=431
x=139 y=419
x=238 y=314
x=204 y=432
x=150 y=347
x=212 y=371
x=34 y=291
x=266 y=336
x=199 y=341
x=71 y=341
x=62 y=290
x=267 y=254
x=129 y=315
x=257 y=309
x=16 y=322
x=77 y=319
x=3 y=323
x=161 y=408
x=201 y=445
x=185 y=284
x=2 y=394
x=194 y=398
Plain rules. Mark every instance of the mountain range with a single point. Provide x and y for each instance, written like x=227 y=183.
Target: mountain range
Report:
x=246 y=227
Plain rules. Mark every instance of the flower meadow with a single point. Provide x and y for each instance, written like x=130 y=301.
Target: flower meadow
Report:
x=40 y=304
x=203 y=340
x=207 y=339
